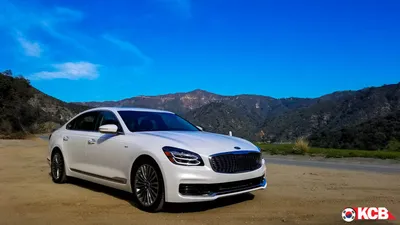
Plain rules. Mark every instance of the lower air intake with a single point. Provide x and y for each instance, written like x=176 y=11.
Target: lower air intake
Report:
x=221 y=188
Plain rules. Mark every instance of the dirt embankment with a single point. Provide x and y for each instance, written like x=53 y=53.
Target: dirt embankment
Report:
x=296 y=195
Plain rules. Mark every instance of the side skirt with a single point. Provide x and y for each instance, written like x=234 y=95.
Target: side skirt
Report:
x=112 y=179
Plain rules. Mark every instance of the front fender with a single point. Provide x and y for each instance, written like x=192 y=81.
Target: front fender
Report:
x=56 y=142
x=159 y=158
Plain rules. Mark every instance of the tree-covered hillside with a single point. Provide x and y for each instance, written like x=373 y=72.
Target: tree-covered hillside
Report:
x=377 y=134
x=24 y=109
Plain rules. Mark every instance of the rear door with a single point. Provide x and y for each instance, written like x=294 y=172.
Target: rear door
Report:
x=76 y=138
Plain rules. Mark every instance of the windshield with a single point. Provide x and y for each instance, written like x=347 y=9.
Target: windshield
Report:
x=155 y=121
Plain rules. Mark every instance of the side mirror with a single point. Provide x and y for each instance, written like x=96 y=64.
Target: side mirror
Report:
x=108 y=129
x=200 y=128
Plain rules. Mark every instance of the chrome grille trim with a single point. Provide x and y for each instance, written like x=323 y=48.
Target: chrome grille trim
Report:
x=236 y=161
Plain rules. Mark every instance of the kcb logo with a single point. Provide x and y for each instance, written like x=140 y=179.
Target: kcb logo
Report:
x=366 y=213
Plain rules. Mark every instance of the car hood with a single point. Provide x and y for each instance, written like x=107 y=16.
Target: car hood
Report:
x=202 y=142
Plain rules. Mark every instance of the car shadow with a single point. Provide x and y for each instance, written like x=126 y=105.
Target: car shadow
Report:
x=104 y=138
x=204 y=206
x=123 y=195
x=168 y=207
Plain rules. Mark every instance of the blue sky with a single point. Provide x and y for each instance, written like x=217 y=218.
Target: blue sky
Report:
x=110 y=50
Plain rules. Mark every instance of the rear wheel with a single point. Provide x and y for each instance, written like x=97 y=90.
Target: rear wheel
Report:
x=58 y=174
x=148 y=186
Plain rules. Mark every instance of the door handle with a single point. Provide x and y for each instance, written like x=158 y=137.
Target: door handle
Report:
x=91 y=141
x=65 y=138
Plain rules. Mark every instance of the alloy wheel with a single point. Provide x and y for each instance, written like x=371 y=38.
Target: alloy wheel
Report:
x=56 y=166
x=146 y=185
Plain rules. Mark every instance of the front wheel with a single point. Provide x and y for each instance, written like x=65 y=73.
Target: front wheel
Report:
x=58 y=174
x=148 y=186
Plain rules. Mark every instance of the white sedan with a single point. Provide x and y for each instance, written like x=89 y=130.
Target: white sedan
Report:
x=156 y=155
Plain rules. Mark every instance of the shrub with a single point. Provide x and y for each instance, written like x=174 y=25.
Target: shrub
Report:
x=301 y=146
x=393 y=145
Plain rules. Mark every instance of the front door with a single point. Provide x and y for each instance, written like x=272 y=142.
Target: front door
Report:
x=105 y=152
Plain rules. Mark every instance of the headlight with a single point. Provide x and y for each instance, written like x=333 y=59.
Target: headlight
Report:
x=182 y=157
x=261 y=155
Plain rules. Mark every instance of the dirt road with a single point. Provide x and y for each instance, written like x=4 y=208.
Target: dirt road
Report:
x=359 y=164
x=296 y=195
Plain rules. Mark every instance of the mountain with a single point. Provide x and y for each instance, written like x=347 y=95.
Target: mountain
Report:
x=257 y=117
x=25 y=109
x=374 y=134
x=334 y=112
x=181 y=103
x=243 y=114
x=327 y=121
x=222 y=118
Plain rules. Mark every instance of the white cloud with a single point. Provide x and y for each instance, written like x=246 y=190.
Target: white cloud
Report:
x=51 y=29
x=38 y=18
x=54 y=24
x=66 y=41
x=30 y=48
x=70 y=70
x=145 y=61
x=70 y=14
x=124 y=45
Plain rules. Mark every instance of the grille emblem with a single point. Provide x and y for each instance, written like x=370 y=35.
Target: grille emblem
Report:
x=236 y=147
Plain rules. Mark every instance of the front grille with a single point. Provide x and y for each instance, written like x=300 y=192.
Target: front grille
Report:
x=221 y=188
x=236 y=162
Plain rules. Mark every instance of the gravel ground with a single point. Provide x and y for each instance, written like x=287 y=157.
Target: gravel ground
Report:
x=295 y=195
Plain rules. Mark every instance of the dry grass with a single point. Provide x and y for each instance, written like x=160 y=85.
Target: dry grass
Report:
x=301 y=146
x=17 y=135
x=288 y=149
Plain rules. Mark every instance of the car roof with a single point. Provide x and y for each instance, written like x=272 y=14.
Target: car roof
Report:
x=116 y=109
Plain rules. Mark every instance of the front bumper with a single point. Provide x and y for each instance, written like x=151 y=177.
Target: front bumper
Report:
x=197 y=184
x=221 y=188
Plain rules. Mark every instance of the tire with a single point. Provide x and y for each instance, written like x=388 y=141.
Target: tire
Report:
x=148 y=185
x=57 y=168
